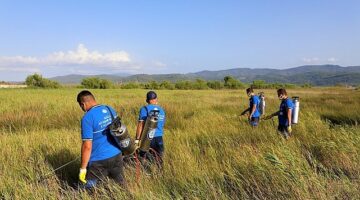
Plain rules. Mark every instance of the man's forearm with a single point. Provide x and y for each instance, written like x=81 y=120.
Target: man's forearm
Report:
x=275 y=114
x=247 y=110
x=289 y=116
x=85 y=153
x=139 y=129
x=252 y=110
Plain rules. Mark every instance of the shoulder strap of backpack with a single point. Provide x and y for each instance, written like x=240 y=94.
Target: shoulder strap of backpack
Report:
x=112 y=116
x=147 y=110
x=286 y=104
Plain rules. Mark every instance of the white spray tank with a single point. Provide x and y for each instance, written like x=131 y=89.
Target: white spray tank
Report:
x=262 y=103
x=295 y=112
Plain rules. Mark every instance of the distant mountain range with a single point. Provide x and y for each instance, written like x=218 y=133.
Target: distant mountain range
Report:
x=320 y=75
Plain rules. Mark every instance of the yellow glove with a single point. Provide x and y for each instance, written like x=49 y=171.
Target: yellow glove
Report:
x=289 y=130
x=136 y=143
x=82 y=176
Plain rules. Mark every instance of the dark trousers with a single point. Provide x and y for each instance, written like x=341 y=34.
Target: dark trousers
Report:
x=254 y=121
x=157 y=144
x=155 y=154
x=283 y=130
x=102 y=169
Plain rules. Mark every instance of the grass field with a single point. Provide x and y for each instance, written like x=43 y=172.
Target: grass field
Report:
x=211 y=153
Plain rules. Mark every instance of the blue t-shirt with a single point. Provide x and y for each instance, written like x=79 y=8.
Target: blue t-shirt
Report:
x=94 y=126
x=254 y=100
x=144 y=113
x=284 y=106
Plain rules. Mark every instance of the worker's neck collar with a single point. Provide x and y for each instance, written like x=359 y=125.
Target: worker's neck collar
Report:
x=92 y=106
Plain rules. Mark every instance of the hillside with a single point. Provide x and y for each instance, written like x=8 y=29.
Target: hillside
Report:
x=320 y=75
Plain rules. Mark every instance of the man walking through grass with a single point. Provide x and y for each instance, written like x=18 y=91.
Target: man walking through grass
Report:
x=157 y=142
x=100 y=157
x=284 y=114
x=253 y=110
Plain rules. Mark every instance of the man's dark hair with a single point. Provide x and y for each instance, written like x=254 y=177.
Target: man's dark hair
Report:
x=150 y=96
x=282 y=91
x=249 y=90
x=83 y=94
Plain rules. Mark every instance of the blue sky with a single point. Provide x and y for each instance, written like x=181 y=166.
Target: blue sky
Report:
x=158 y=36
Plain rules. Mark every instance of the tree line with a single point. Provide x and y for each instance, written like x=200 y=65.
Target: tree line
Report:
x=229 y=82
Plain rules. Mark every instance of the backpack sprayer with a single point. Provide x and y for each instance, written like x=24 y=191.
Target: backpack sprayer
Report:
x=121 y=135
x=149 y=129
x=147 y=134
x=295 y=113
x=262 y=103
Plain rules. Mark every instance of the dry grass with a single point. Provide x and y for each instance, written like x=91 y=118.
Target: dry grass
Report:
x=210 y=152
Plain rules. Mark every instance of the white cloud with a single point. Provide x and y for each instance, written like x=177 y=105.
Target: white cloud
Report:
x=6 y=61
x=83 y=56
x=20 y=69
x=311 y=60
x=318 y=60
x=332 y=59
x=117 y=60
x=160 y=64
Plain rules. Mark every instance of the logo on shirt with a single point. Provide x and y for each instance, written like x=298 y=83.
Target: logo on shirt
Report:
x=104 y=111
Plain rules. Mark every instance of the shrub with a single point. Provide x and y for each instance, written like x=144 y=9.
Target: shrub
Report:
x=200 y=84
x=131 y=85
x=217 y=85
x=183 y=85
x=232 y=83
x=96 y=83
x=307 y=85
x=152 y=85
x=167 y=85
x=259 y=84
x=36 y=80
x=290 y=86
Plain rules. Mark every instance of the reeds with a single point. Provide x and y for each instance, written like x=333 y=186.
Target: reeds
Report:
x=211 y=153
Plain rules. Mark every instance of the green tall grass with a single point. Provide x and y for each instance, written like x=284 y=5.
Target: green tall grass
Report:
x=211 y=153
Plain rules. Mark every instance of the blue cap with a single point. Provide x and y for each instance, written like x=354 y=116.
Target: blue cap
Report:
x=150 y=96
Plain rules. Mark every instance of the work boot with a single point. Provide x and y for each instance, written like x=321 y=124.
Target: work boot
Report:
x=285 y=134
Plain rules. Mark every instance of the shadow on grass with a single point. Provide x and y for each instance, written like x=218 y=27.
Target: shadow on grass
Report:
x=316 y=159
x=70 y=162
x=341 y=120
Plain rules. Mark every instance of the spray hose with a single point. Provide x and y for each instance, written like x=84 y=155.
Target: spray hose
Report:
x=157 y=156
x=137 y=167
x=50 y=174
x=158 y=160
